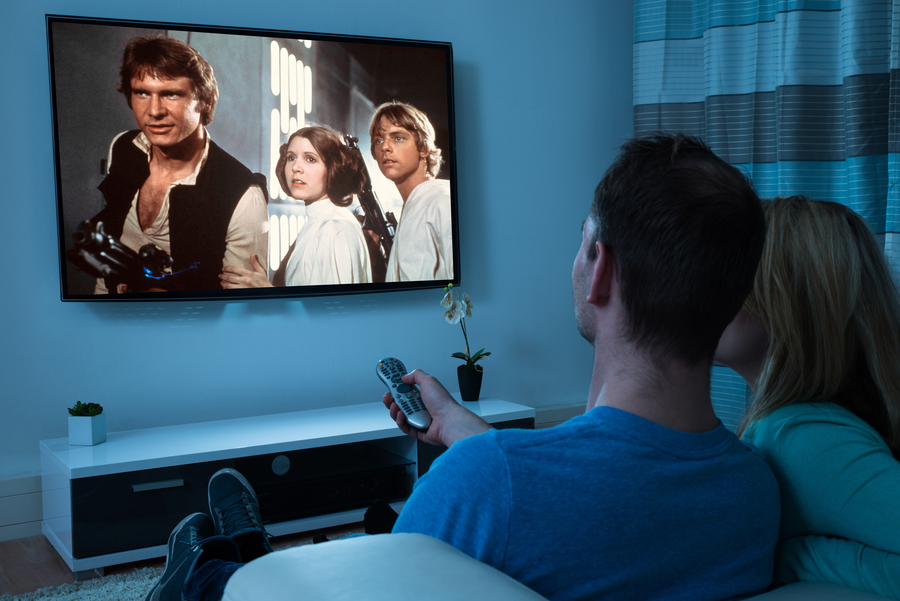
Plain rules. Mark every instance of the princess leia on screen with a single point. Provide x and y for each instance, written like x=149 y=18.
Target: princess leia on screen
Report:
x=318 y=168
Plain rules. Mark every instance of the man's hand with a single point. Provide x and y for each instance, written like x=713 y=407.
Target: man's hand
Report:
x=233 y=276
x=123 y=288
x=449 y=420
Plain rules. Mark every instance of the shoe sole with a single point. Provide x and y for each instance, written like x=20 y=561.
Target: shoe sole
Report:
x=237 y=476
x=156 y=592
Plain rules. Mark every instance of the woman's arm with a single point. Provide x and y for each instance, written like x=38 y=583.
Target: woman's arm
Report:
x=837 y=476
x=838 y=561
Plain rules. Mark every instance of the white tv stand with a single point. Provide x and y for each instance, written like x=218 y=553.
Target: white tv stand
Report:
x=103 y=505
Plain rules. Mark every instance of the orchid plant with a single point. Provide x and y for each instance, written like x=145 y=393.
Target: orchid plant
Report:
x=457 y=308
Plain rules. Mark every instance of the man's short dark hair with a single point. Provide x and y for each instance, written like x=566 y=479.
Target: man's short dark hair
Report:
x=686 y=232
x=168 y=58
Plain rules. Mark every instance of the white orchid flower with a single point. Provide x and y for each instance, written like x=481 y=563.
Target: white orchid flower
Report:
x=454 y=313
x=447 y=301
x=468 y=303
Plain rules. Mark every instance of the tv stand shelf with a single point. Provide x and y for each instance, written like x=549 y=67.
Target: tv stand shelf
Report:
x=116 y=502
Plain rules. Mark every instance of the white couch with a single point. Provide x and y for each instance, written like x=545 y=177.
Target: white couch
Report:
x=413 y=567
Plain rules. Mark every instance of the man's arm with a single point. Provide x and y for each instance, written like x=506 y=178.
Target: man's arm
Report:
x=444 y=242
x=233 y=276
x=465 y=500
x=450 y=421
x=248 y=231
x=428 y=236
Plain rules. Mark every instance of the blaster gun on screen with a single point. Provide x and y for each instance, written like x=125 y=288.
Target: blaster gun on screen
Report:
x=383 y=225
x=103 y=256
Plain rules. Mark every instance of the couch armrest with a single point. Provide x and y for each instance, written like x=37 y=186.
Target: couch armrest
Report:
x=815 y=591
x=395 y=567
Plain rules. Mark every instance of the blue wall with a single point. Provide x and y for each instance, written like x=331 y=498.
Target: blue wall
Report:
x=543 y=97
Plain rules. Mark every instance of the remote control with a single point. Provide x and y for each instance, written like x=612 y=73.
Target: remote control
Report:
x=407 y=397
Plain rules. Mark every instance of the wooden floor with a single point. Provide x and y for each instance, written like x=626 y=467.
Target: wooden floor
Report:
x=29 y=564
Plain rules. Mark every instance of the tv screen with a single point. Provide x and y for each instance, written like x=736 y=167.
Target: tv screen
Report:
x=200 y=162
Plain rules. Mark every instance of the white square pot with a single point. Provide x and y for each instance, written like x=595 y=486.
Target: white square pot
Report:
x=87 y=431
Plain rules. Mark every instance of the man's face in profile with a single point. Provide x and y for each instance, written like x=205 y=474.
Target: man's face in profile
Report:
x=165 y=109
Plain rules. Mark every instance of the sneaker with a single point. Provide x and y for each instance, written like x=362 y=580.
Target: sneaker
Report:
x=181 y=555
x=235 y=512
x=320 y=538
x=379 y=518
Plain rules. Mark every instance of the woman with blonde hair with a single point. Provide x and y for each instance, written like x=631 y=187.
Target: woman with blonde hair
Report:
x=817 y=341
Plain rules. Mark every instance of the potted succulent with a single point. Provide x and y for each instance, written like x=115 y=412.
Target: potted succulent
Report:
x=87 y=424
x=457 y=308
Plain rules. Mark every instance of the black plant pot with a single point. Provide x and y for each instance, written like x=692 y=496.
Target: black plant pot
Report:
x=469 y=383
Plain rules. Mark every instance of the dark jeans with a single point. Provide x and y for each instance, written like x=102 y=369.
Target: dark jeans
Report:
x=208 y=582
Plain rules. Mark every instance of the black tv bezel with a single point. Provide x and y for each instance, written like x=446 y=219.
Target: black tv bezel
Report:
x=448 y=154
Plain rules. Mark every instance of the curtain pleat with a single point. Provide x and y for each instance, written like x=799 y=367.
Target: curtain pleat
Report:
x=802 y=94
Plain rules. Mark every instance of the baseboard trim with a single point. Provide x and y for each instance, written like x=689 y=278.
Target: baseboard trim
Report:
x=547 y=417
x=20 y=506
x=17 y=531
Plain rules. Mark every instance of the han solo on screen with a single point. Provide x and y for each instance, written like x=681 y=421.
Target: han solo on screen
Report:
x=168 y=183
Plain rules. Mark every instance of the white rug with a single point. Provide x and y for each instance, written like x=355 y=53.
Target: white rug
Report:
x=117 y=587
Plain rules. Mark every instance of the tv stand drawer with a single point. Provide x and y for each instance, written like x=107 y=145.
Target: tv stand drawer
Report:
x=136 y=509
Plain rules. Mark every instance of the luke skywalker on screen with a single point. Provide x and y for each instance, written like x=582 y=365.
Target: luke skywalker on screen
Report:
x=403 y=146
x=168 y=183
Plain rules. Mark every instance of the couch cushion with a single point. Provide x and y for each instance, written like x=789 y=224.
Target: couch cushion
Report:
x=412 y=567
x=815 y=591
x=395 y=567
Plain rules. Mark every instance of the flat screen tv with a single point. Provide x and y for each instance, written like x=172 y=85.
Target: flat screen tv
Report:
x=201 y=162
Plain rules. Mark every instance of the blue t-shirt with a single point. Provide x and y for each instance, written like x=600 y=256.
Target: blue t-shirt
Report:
x=607 y=505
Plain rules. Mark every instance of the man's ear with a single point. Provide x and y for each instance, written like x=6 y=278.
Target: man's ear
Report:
x=602 y=275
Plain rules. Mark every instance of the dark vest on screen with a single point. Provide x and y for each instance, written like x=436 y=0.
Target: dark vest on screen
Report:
x=198 y=215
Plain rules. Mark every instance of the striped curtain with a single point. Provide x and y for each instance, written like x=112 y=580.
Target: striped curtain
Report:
x=802 y=94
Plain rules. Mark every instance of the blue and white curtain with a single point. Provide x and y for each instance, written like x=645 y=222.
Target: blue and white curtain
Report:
x=802 y=94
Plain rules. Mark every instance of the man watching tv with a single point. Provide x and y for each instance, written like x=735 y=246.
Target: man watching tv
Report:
x=646 y=495
x=170 y=185
x=403 y=145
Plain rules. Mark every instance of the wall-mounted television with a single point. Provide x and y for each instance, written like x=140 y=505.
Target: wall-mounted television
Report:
x=202 y=162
